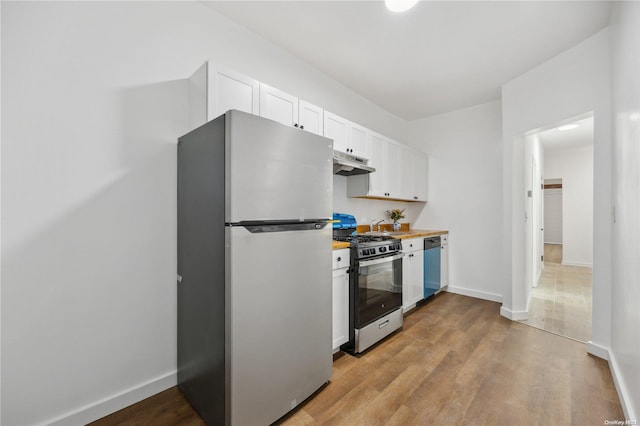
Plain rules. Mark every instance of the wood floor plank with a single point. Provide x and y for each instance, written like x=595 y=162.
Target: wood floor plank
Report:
x=456 y=361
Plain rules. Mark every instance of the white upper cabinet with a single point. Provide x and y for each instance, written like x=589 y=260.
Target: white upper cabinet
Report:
x=391 y=169
x=348 y=137
x=289 y=110
x=310 y=117
x=228 y=89
x=337 y=128
x=376 y=180
x=420 y=176
x=401 y=173
x=359 y=140
x=214 y=90
x=278 y=106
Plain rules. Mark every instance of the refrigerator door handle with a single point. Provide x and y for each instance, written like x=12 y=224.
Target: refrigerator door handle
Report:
x=256 y=227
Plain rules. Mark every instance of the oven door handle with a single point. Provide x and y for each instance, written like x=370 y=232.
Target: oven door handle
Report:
x=379 y=260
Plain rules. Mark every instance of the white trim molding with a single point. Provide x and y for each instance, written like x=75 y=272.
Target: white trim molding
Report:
x=514 y=315
x=580 y=264
x=597 y=350
x=111 y=404
x=474 y=293
x=618 y=379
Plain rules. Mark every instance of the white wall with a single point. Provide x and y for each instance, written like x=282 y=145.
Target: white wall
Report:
x=465 y=192
x=366 y=210
x=93 y=99
x=625 y=67
x=575 y=167
x=571 y=84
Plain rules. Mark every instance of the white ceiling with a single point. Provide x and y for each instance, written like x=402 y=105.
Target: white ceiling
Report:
x=437 y=57
x=578 y=137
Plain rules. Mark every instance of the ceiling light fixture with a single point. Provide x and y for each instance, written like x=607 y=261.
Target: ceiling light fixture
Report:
x=568 y=127
x=400 y=5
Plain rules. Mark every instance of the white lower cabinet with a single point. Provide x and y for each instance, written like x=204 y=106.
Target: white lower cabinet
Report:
x=340 y=298
x=444 y=260
x=412 y=272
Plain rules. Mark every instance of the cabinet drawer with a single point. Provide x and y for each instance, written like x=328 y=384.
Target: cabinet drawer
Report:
x=412 y=244
x=340 y=258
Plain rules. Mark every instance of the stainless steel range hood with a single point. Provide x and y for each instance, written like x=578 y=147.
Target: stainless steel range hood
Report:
x=350 y=165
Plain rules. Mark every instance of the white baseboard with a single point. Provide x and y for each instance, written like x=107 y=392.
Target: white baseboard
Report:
x=514 y=315
x=106 y=406
x=618 y=379
x=580 y=264
x=597 y=350
x=475 y=293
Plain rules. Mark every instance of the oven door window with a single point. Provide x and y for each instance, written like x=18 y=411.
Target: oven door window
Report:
x=379 y=290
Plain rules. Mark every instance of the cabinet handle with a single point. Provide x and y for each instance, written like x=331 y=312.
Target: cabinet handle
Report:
x=415 y=198
x=339 y=258
x=302 y=127
x=295 y=125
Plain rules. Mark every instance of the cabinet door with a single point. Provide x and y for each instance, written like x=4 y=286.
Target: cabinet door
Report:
x=230 y=90
x=407 y=288
x=340 y=307
x=359 y=140
x=418 y=275
x=391 y=168
x=337 y=128
x=420 y=176
x=377 y=179
x=310 y=117
x=278 y=106
x=444 y=261
x=405 y=172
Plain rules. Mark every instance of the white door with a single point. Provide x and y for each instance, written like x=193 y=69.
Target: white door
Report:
x=553 y=216
x=278 y=106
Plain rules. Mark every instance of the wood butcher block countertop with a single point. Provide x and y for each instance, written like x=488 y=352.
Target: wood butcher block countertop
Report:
x=337 y=245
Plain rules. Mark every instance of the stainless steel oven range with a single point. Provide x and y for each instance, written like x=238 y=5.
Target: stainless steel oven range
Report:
x=375 y=290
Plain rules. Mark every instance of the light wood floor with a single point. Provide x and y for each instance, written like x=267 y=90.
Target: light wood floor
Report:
x=553 y=253
x=562 y=302
x=456 y=361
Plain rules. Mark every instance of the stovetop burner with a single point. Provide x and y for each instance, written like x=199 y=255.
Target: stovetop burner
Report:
x=367 y=246
x=360 y=239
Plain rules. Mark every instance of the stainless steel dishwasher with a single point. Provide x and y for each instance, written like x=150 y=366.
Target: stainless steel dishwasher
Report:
x=431 y=266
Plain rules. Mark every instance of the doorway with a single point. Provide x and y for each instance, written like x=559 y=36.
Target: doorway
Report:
x=560 y=297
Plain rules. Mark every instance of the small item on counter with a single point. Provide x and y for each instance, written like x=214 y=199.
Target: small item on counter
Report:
x=395 y=215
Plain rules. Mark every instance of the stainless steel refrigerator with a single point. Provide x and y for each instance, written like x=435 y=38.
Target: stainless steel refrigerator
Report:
x=254 y=268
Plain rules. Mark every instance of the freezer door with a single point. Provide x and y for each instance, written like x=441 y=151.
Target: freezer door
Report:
x=279 y=290
x=275 y=172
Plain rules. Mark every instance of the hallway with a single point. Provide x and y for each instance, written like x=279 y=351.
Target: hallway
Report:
x=561 y=303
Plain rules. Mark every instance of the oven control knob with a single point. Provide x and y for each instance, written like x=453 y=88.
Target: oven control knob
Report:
x=383 y=249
